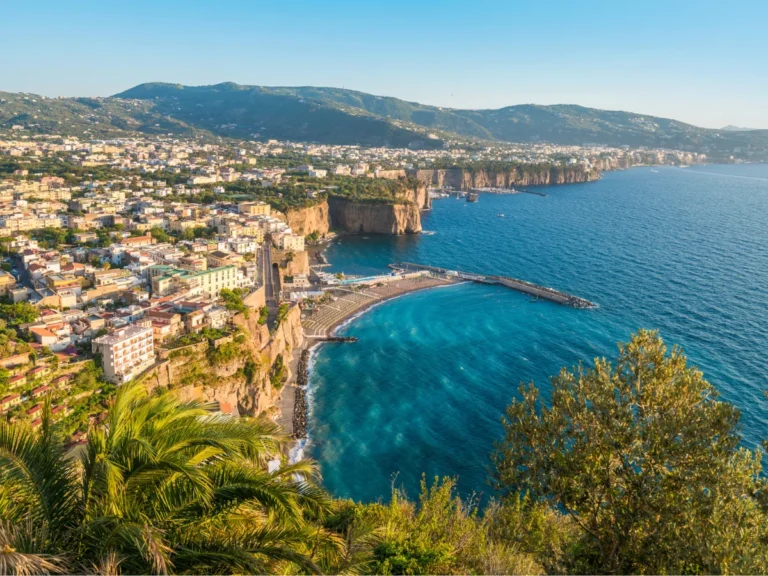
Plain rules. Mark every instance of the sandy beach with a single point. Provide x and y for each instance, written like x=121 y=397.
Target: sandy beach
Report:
x=348 y=302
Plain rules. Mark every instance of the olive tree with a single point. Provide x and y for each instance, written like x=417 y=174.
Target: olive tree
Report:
x=645 y=459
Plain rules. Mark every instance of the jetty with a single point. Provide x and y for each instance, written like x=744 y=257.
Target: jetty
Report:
x=534 y=290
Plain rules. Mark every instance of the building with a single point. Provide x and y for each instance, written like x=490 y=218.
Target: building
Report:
x=137 y=241
x=165 y=325
x=9 y=402
x=292 y=242
x=219 y=258
x=208 y=283
x=254 y=208
x=7 y=282
x=44 y=336
x=127 y=352
x=243 y=245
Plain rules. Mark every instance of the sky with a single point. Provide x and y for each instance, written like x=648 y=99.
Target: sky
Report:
x=702 y=62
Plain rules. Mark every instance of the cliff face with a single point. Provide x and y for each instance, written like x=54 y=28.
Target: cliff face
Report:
x=374 y=217
x=193 y=376
x=304 y=221
x=530 y=176
x=419 y=196
x=363 y=217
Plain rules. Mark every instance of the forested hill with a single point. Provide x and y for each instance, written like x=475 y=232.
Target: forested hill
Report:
x=338 y=116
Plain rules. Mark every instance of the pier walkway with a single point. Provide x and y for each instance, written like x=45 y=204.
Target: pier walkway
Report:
x=539 y=292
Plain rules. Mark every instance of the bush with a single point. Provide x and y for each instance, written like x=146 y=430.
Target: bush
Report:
x=277 y=373
x=233 y=300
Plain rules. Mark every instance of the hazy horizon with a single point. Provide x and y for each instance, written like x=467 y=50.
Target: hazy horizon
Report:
x=696 y=64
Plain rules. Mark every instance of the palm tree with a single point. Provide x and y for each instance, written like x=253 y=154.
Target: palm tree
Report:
x=163 y=486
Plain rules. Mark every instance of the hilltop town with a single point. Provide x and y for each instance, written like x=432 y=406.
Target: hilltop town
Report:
x=120 y=257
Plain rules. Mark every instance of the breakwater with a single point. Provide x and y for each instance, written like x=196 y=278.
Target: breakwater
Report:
x=300 y=397
x=538 y=292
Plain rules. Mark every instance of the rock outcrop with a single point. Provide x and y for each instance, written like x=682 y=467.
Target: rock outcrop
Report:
x=242 y=382
x=463 y=179
x=419 y=196
x=374 y=217
x=309 y=219
x=363 y=216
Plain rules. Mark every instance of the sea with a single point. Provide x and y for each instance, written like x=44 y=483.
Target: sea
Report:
x=680 y=250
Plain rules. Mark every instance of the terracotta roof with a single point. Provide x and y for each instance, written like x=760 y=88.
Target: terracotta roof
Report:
x=43 y=332
x=136 y=239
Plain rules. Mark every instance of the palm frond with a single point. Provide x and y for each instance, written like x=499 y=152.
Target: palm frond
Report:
x=44 y=482
x=22 y=551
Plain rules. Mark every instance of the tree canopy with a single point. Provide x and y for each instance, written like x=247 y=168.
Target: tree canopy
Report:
x=635 y=466
x=645 y=459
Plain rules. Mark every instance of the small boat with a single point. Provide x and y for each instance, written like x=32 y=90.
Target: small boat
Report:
x=501 y=215
x=472 y=196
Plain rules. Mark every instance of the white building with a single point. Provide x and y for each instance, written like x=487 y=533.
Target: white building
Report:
x=126 y=353
x=292 y=242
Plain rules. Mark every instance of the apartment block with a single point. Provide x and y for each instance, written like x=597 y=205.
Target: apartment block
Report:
x=127 y=352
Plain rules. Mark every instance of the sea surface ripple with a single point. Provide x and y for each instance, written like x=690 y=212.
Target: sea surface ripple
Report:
x=684 y=251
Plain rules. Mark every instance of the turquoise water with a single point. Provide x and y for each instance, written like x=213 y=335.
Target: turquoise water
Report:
x=681 y=250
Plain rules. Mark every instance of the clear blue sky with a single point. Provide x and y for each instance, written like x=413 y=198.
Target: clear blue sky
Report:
x=702 y=62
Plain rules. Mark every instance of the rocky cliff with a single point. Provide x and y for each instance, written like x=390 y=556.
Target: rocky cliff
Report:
x=374 y=217
x=364 y=216
x=310 y=219
x=243 y=380
x=463 y=179
x=420 y=196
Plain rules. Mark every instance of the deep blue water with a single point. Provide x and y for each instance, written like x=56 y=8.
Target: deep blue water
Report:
x=684 y=251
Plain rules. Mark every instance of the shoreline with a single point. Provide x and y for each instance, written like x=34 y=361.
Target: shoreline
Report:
x=296 y=396
x=334 y=329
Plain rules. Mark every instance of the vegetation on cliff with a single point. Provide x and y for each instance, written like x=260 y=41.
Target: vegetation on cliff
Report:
x=632 y=467
x=233 y=300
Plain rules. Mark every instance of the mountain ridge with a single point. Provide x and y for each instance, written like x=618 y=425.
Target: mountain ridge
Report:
x=341 y=116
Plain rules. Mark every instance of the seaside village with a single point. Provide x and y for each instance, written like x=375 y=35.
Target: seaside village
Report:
x=105 y=270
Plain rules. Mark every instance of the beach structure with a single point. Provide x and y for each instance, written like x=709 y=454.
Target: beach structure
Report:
x=534 y=290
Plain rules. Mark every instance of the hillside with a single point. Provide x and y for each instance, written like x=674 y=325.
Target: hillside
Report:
x=559 y=124
x=94 y=117
x=338 y=116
